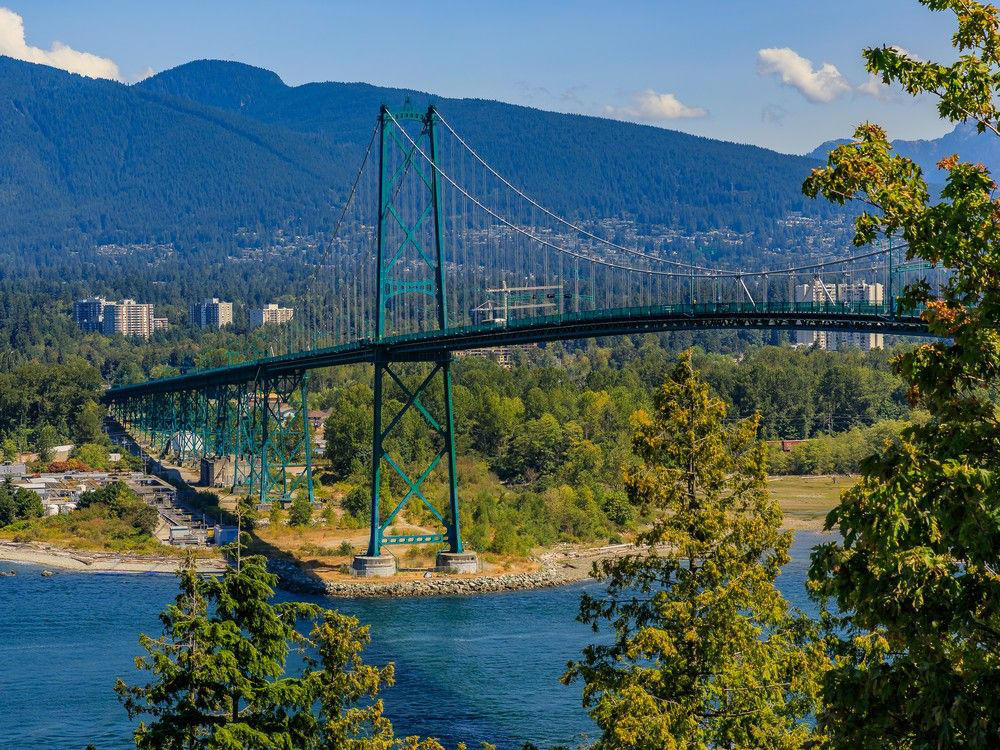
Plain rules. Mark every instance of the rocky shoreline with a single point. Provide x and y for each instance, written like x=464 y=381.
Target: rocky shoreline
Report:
x=292 y=578
x=564 y=565
x=97 y=562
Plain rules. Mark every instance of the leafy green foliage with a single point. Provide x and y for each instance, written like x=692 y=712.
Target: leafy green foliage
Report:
x=17 y=504
x=916 y=574
x=348 y=429
x=300 y=511
x=44 y=404
x=705 y=652
x=121 y=502
x=93 y=455
x=843 y=453
x=543 y=445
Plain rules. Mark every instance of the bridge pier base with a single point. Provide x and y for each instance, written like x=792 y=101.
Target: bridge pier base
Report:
x=370 y=566
x=458 y=562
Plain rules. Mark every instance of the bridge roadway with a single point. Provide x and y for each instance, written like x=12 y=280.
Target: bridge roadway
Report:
x=433 y=345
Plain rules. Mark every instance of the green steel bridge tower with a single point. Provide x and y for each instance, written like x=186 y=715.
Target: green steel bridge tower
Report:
x=411 y=261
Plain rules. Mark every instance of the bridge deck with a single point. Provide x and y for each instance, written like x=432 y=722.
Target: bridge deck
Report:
x=848 y=316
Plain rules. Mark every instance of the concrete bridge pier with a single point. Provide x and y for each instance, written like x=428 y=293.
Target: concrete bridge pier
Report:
x=458 y=562
x=370 y=566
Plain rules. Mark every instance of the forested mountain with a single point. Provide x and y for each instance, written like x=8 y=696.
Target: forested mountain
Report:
x=85 y=161
x=192 y=154
x=586 y=166
x=963 y=140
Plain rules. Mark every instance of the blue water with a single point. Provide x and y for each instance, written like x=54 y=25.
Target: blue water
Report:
x=467 y=668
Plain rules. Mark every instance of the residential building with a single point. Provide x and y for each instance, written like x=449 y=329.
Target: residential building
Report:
x=271 y=314
x=88 y=314
x=129 y=318
x=211 y=313
x=822 y=292
x=160 y=324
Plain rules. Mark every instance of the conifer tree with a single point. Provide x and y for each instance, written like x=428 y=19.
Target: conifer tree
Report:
x=705 y=651
x=220 y=681
x=219 y=667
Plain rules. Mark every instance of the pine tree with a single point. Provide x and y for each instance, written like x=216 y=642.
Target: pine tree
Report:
x=220 y=673
x=220 y=666
x=705 y=652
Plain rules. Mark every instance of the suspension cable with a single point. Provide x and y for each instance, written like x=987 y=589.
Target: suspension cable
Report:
x=713 y=273
x=514 y=226
x=357 y=179
x=566 y=222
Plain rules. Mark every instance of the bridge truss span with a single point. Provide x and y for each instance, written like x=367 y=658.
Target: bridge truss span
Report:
x=438 y=253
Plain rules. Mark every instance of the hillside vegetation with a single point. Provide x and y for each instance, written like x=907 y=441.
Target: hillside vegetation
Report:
x=193 y=154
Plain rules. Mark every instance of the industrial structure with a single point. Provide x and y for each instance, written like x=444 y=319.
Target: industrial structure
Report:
x=448 y=256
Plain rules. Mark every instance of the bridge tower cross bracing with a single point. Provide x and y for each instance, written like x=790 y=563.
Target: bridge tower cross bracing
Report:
x=411 y=261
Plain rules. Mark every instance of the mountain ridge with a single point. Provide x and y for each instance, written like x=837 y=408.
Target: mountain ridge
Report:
x=194 y=153
x=963 y=140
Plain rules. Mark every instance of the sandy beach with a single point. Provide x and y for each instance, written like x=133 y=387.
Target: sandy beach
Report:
x=96 y=562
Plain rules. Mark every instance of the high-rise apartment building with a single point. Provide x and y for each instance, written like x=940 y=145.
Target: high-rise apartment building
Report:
x=211 y=313
x=822 y=292
x=129 y=318
x=271 y=314
x=89 y=313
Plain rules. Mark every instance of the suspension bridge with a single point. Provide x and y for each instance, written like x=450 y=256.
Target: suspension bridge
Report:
x=435 y=252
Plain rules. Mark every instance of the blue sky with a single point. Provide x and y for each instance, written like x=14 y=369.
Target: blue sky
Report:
x=785 y=74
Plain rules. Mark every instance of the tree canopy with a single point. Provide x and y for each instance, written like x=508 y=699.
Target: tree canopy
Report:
x=917 y=652
x=705 y=651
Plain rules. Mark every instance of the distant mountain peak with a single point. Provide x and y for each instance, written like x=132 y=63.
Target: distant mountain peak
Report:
x=220 y=83
x=963 y=139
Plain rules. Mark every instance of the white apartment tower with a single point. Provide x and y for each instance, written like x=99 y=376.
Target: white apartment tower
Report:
x=270 y=314
x=129 y=318
x=211 y=313
x=821 y=292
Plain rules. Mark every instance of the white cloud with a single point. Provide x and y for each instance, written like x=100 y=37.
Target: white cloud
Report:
x=142 y=75
x=874 y=87
x=817 y=85
x=13 y=44
x=650 y=106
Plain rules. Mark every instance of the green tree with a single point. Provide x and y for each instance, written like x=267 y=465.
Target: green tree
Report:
x=535 y=450
x=220 y=667
x=916 y=573
x=347 y=688
x=348 y=430
x=17 y=503
x=122 y=503
x=87 y=424
x=93 y=455
x=300 y=511
x=8 y=450
x=45 y=438
x=705 y=651
x=219 y=676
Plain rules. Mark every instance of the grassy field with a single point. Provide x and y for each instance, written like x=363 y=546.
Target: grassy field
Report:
x=806 y=500
x=91 y=530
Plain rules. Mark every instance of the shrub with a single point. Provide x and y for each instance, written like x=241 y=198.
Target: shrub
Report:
x=124 y=504
x=300 y=512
